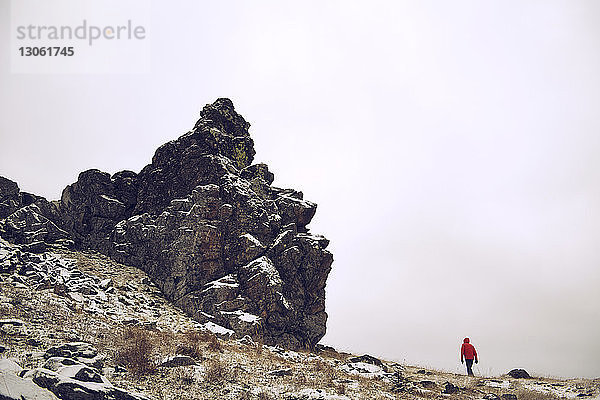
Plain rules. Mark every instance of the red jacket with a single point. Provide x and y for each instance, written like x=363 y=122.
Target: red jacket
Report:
x=467 y=350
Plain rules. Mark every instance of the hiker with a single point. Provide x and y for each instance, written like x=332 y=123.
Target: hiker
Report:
x=467 y=352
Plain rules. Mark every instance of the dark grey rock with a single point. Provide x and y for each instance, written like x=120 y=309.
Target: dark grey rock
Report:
x=12 y=322
x=28 y=226
x=177 y=360
x=81 y=373
x=72 y=350
x=34 y=342
x=92 y=206
x=247 y=341
x=519 y=374
x=9 y=197
x=509 y=396
x=280 y=372
x=54 y=363
x=43 y=377
x=449 y=388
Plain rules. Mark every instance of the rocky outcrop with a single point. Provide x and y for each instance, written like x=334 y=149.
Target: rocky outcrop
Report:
x=92 y=206
x=205 y=224
x=29 y=220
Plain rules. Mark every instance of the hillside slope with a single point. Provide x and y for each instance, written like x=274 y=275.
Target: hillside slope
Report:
x=103 y=330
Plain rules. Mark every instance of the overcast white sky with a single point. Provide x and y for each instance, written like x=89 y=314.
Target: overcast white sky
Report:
x=452 y=147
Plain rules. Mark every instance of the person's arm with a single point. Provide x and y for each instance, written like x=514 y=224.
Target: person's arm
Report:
x=475 y=354
x=462 y=353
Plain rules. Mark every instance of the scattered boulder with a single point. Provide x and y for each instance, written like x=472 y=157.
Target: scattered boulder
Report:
x=34 y=342
x=369 y=360
x=11 y=322
x=81 y=373
x=427 y=384
x=363 y=369
x=177 y=360
x=280 y=372
x=72 y=350
x=325 y=348
x=74 y=353
x=449 y=388
x=509 y=396
x=519 y=374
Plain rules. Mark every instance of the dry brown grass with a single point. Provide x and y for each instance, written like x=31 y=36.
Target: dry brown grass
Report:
x=340 y=388
x=197 y=338
x=217 y=371
x=138 y=349
x=135 y=351
x=300 y=379
x=190 y=344
x=184 y=376
x=214 y=344
x=323 y=373
x=264 y=396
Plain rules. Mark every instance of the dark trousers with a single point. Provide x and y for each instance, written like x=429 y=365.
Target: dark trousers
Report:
x=469 y=366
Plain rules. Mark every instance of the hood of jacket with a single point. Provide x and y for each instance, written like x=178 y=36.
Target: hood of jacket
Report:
x=466 y=340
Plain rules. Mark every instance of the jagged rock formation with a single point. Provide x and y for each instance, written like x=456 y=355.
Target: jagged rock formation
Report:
x=204 y=223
